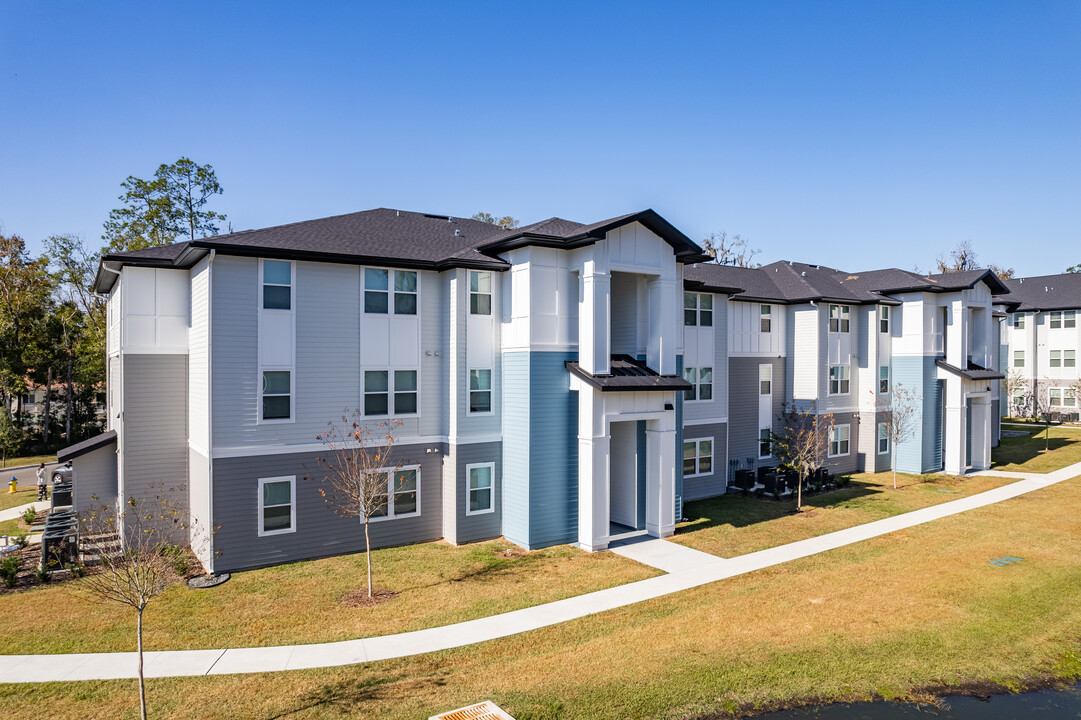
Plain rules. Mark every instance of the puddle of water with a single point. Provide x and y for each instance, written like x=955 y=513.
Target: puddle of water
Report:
x=1043 y=705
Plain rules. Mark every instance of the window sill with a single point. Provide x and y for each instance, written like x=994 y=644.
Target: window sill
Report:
x=271 y=533
x=489 y=511
x=391 y=517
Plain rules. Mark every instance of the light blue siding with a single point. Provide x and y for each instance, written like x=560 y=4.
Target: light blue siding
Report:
x=553 y=451
x=516 y=447
x=679 y=440
x=923 y=452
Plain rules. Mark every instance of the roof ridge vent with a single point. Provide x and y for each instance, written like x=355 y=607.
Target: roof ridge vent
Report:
x=457 y=232
x=397 y=213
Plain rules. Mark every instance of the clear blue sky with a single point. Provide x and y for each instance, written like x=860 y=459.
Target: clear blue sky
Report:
x=857 y=134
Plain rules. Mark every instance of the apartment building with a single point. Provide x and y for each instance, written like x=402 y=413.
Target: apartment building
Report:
x=1041 y=340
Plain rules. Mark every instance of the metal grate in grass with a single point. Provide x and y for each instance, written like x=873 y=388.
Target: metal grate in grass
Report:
x=1005 y=560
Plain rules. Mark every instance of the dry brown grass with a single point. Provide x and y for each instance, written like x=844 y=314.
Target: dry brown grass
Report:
x=890 y=617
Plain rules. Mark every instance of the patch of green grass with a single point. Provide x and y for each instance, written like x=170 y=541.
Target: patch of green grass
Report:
x=732 y=525
x=28 y=460
x=21 y=496
x=1028 y=453
x=894 y=616
x=436 y=584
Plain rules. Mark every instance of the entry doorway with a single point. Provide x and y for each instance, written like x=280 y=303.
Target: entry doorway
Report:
x=624 y=511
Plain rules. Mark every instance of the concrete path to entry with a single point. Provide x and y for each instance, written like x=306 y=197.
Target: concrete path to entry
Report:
x=12 y=513
x=690 y=569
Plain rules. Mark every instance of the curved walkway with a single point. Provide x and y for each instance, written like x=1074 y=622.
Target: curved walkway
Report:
x=689 y=569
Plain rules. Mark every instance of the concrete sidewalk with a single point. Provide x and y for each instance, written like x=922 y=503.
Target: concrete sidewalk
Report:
x=691 y=569
x=12 y=513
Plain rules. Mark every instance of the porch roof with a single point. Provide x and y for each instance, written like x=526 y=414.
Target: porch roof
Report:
x=628 y=374
x=972 y=372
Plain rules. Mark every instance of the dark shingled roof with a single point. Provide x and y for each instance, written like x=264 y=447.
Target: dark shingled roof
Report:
x=82 y=448
x=972 y=372
x=628 y=374
x=1044 y=292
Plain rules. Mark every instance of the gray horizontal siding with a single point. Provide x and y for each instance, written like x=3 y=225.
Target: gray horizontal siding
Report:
x=320 y=531
x=487 y=525
x=743 y=406
x=95 y=480
x=696 y=488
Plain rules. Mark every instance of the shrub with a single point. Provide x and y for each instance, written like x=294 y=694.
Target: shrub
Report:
x=29 y=514
x=9 y=569
x=22 y=540
x=77 y=571
x=177 y=555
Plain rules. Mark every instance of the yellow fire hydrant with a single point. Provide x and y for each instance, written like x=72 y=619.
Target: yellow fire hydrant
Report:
x=11 y=485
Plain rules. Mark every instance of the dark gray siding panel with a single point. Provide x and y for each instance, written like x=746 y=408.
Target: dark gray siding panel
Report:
x=846 y=463
x=743 y=406
x=696 y=488
x=487 y=525
x=319 y=530
x=95 y=478
x=155 y=442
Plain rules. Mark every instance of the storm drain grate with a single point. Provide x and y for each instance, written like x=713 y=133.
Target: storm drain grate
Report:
x=1004 y=561
x=486 y=710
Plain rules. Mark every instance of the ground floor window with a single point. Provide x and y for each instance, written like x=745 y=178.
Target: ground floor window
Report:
x=277 y=505
x=764 y=449
x=1062 y=397
x=839 y=438
x=697 y=457
x=481 y=489
x=883 y=439
x=402 y=498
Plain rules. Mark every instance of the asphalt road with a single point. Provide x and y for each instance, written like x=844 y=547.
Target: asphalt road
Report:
x=26 y=477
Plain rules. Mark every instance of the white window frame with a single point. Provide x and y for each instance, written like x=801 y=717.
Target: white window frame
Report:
x=391 y=391
x=1054 y=397
x=1018 y=358
x=769 y=440
x=394 y=391
x=469 y=490
x=469 y=393
x=291 y=369
x=697 y=309
x=477 y=274
x=844 y=318
x=1019 y=321
x=881 y=378
x=698 y=456
x=395 y=292
x=1069 y=358
x=884 y=319
x=1069 y=319
x=292 y=479
x=768 y=372
x=390 y=292
x=292 y=397
x=883 y=436
x=847 y=439
x=765 y=318
x=1054 y=358
x=695 y=379
x=292 y=285
x=390 y=494
x=844 y=375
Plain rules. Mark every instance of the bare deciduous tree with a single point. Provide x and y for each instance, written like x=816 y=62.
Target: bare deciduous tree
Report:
x=802 y=441
x=1040 y=407
x=134 y=548
x=900 y=413
x=1013 y=384
x=730 y=250
x=506 y=222
x=963 y=257
x=358 y=472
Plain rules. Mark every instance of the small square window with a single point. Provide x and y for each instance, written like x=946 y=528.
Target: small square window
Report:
x=839 y=380
x=1069 y=319
x=1019 y=321
x=697 y=457
x=839 y=440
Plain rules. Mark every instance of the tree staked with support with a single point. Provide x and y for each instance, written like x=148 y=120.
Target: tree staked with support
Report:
x=358 y=471
x=802 y=441
x=900 y=416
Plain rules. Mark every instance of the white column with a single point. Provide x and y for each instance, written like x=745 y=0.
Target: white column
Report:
x=954 y=424
x=594 y=326
x=593 y=470
x=661 y=458
x=664 y=326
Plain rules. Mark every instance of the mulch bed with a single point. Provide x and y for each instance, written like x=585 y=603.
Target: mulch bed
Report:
x=359 y=598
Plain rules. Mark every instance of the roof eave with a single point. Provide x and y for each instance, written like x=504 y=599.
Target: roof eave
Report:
x=350 y=259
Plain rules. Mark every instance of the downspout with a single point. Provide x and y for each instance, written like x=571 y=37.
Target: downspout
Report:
x=210 y=407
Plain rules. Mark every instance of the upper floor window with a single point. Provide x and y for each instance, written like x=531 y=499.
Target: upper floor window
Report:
x=697 y=457
x=277 y=285
x=405 y=292
x=765 y=379
x=1056 y=358
x=1060 y=319
x=765 y=314
x=277 y=394
x=1069 y=358
x=376 y=397
x=405 y=392
x=1018 y=358
x=376 y=291
x=377 y=392
x=402 y=498
x=884 y=319
x=701 y=380
x=884 y=379
x=480 y=293
x=839 y=316
x=839 y=379
x=698 y=309
x=480 y=391
x=1019 y=321
x=839 y=439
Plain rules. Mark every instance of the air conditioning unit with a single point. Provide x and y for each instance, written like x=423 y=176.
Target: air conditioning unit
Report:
x=486 y=710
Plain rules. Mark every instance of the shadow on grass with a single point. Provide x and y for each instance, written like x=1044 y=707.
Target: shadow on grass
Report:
x=348 y=697
x=488 y=564
x=744 y=510
x=1019 y=450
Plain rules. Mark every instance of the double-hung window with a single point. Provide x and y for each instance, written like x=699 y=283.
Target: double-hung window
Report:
x=277 y=285
x=884 y=319
x=1055 y=359
x=480 y=293
x=480 y=391
x=1060 y=319
x=405 y=392
x=839 y=318
x=839 y=379
x=764 y=448
x=697 y=457
x=1055 y=397
x=883 y=439
x=698 y=309
x=765 y=313
x=1019 y=321
x=884 y=379
x=839 y=436
x=402 y=496
x=1018 y=397
x=376 y=393
x=277 y=394
x=1069 y=358
x=1018 y=358
x=376 y=291
x=405 y=292
x=481 y=488
x=701 y=380
x=277 y=505
x=765 y=379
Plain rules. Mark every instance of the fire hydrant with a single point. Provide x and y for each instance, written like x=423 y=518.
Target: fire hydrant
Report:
x=11 y=485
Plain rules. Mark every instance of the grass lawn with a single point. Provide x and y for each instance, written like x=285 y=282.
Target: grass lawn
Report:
x=437 y=584
x=894 y=616
x=733 y=525
x=21 y=496
x=28 y=460
x=1027 y=454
